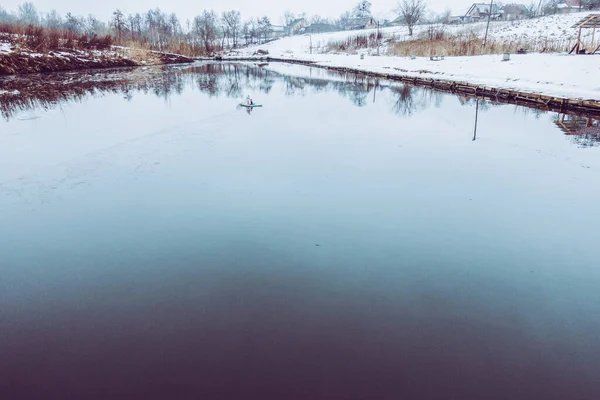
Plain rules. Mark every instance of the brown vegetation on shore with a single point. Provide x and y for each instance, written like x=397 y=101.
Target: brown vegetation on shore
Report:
x=42 y=40
x=35 y=49
x=437 y=41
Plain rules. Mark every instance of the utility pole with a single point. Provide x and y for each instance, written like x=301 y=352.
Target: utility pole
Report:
x=378 y=22
x=487 y=28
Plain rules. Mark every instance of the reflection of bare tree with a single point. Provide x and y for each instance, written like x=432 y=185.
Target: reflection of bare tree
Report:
x=405 y=104
x=233 y=87
x=233 y=80
x=48 y=91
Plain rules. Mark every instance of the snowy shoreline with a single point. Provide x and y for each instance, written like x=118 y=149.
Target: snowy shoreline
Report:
x=557 y=75
x=537 y=74
x=540 y=94
x=17 y=62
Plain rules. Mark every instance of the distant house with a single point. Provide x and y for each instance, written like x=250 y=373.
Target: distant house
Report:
x=514 y=12
x=277 y=31
x=398 y=21
x=481 y=11
x=569 y=6
x=320 y=28
x=459 y=19
x=361 y=23
x=297 y=26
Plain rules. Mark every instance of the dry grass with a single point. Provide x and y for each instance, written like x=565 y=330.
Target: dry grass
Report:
x=436 y=41
x=472 y=45
x=42 y=40
x=353 y=44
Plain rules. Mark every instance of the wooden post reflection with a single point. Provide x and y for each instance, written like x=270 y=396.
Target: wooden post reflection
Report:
x=476 y=118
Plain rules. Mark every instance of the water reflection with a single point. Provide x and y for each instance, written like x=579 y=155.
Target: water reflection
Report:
x=583 y=130
x=231 y=80
x=325 y=248
x=476 y=120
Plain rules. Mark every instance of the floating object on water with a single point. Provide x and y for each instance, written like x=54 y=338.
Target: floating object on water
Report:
x=250 y=105
x=506 y=57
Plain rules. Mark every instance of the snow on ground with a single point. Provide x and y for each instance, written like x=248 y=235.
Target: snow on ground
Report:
x=551 y=28
x=9 y=93
x=557 y=75
x=533 y=73
x=5 y=47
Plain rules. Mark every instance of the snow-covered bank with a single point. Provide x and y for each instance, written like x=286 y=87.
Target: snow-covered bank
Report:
x=22 y=61
x=554 y=74
x=557 y=75
x=545 y=29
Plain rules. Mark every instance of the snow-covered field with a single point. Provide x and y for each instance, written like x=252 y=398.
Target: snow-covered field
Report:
x=554 y=27
x=534 y=73
x=560 y=75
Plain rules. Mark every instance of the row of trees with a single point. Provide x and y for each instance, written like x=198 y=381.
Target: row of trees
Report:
x=27 y=14
x=205 y=33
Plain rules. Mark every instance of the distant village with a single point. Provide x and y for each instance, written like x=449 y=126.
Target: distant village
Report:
x=476 y=12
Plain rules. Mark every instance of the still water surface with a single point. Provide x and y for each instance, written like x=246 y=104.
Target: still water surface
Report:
x=352 y=239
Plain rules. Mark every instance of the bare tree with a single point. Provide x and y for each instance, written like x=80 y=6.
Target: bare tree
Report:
x=28 y=14
x=342 y=21
x=288 y=18
x=205 y=28
x=246 y=33
x=93 y=26
x=445 y=16
x=138 y=21
x=317 y=19
x=412 y=11
x=4 y=15
x=264 y=27
x=53 y=20
x=174 y=25
x=118 y=23
x=73 y=24
x=362 y=9
x=232 y=24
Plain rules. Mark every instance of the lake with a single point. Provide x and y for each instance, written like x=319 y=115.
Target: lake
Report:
x=355 y=238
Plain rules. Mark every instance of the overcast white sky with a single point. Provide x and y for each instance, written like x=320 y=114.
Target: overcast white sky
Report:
x=188 y=8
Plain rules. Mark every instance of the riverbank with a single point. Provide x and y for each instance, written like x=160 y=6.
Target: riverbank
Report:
x=556 y=81
x=18 y=61
x=546 y=75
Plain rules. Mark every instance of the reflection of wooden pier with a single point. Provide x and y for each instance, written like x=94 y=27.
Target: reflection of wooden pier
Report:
x=584 y=130
x=577 y=124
